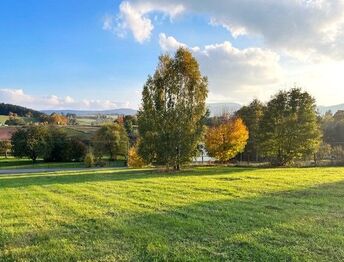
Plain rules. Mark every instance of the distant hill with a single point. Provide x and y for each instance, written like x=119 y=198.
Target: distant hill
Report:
x=5 y=109
x=120 y=111
x=323 y=109
x=218 y=109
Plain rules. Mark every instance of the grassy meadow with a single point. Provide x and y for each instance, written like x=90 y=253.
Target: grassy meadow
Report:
x=203 y=214
x=3 y=119
x=24 y=163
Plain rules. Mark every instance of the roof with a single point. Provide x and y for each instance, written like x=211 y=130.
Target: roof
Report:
x=7 y=132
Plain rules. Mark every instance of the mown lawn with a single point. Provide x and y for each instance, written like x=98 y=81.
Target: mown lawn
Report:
x=24 y=163
x=205 y=214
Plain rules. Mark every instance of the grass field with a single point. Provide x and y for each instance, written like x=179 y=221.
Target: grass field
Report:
x=3 y=119
x=16 y=163
x=204 y=214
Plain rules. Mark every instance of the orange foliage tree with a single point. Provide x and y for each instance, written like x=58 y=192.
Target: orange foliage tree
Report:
x=225 y=141
x=57 y=119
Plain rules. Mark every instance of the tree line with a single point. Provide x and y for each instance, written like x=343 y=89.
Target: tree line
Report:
x=283 y=130
x=173 y=126
x=53 y=144
x=173 y=121
x=7 y=109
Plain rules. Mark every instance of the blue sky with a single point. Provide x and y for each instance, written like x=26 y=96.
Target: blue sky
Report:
x=61 y=54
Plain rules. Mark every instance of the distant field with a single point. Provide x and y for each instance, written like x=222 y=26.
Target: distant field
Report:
x=82 y=132
x=85 y=121
x=88 y=121
x=3 y=119
x=26 y=119
x=205 y=214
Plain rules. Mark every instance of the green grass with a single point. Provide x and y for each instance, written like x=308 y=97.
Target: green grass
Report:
x=15 y=163
x=3 y=118
x=204 y=214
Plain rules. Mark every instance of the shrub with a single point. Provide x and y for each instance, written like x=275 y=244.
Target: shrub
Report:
x=89 y=159
x=100 y=163
x=134 y=160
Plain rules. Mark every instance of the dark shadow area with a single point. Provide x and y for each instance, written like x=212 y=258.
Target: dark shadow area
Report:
x=284 y=226
x=69 y=177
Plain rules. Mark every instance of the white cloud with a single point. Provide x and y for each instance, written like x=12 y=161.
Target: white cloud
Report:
x=19 y=97
x=302 y=42
x=240 y=74
x=324 y=81
x=169 y=43
x=134 y=18
x=302 y=28
x=234 y=74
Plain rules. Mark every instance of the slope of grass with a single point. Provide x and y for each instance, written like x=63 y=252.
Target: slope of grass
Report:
x=204 y=214
x=3 y=119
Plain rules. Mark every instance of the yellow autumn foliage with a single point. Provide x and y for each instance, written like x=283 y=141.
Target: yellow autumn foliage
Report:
x=225 y=141
x=134 y=160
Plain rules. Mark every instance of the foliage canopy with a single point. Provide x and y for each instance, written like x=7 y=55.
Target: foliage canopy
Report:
x=171 y=119
x=228 y=139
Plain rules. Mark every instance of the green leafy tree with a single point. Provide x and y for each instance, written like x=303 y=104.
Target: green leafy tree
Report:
x=111 y=140
x=76 y=150
x=5 y=148
x=31 y=142
x=58 y=144
x=289 y=129
x=130 y=125
x=252 y=115
x=333 y=128
x=171 y=119
x=14 y=120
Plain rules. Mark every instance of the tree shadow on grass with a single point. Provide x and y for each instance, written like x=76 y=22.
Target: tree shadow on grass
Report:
x=105 y=176
x=282 y=226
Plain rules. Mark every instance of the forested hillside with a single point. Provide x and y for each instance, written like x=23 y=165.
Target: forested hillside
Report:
x=5 y=109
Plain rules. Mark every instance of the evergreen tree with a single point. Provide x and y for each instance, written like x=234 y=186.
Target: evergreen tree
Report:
x=171 y=119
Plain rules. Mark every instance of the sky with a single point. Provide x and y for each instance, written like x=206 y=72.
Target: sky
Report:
x=97 y=54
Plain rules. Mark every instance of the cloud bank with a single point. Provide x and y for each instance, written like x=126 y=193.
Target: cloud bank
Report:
x=234 y=73
x=301 y=43
x=302 y=28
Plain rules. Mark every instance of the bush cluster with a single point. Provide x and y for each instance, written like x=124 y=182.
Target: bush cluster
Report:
x=47 y=142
